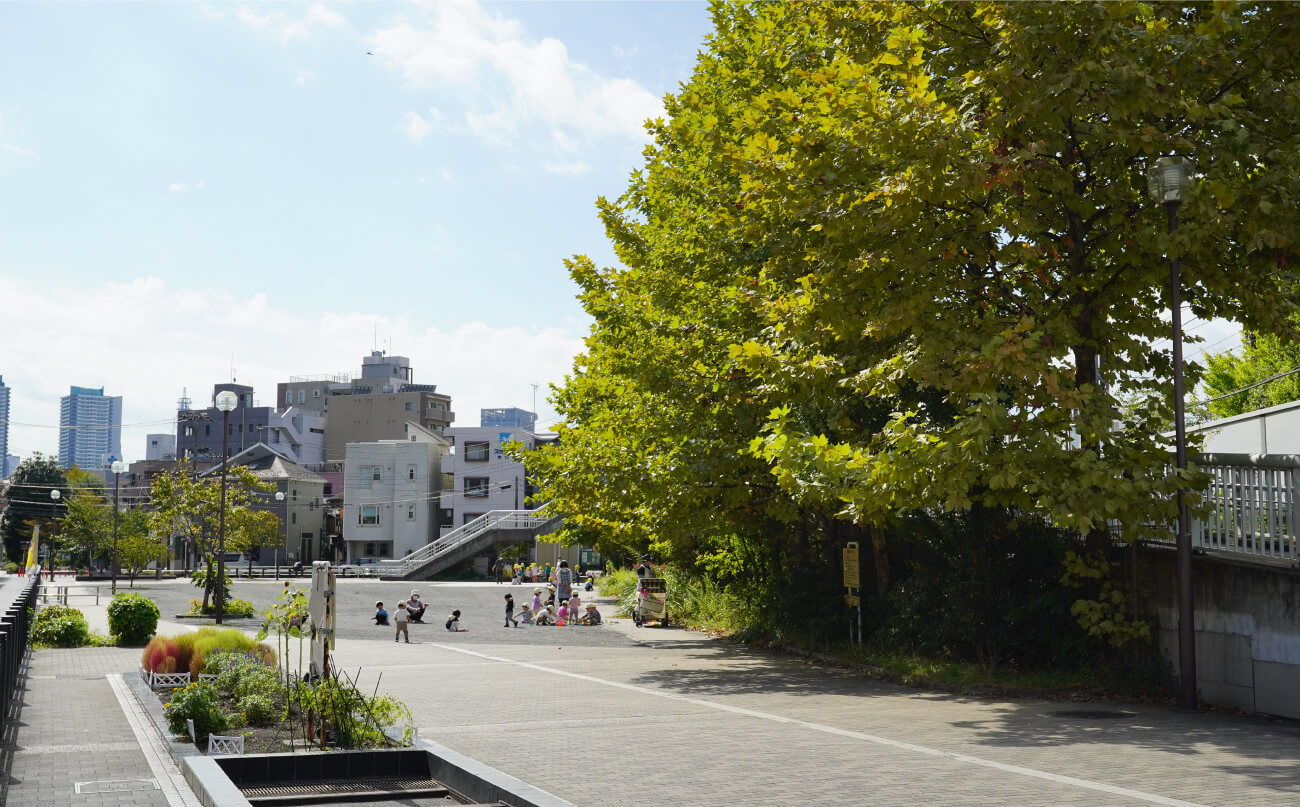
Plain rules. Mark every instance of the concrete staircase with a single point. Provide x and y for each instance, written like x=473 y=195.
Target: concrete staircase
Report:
x=498 y=528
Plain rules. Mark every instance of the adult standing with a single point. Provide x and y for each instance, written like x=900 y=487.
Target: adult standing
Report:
x=643 y=569
x=499 y=568
x=563 y=581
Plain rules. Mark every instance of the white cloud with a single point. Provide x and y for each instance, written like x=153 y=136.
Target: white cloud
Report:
x=569 y=168
x=464 y=44
x=285 y=28
x=192 y=331
x=624 y=53
x=251 y=18
x=176 y=187
x=418 y=128
x=301 y=78
x=12 y=149
x=209 y=12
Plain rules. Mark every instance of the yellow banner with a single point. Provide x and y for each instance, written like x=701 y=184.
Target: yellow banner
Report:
x=31 y=550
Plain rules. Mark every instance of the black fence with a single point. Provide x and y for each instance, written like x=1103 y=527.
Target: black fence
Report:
x=14 y=627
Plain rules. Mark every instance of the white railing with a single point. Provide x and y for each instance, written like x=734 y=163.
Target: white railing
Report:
x=1253 y=505
x=493 y=520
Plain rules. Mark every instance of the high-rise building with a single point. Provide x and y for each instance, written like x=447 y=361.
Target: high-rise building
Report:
x=90 y=429
x=5 y=470
x=510 y=418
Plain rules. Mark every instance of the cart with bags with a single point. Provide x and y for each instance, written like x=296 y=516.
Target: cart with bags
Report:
x=651 y=602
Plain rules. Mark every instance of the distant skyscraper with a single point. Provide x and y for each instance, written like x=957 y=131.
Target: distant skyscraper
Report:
x=511 y=418
x=5 y=470
x=90 y=433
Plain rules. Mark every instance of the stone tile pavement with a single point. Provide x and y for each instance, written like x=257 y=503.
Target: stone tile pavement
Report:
x=695 y=721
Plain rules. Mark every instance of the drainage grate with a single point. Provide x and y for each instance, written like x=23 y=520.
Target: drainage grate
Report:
x=116 y=786
x=397 y=786
x=1093 y=714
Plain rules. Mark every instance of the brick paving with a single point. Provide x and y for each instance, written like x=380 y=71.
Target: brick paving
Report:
x=695 y=721
x=617 y=715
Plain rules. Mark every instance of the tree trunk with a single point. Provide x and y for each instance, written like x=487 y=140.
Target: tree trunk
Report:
x=881 y=560
x=1086 y=371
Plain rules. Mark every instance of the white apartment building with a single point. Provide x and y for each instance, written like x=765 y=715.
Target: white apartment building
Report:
x=390 y=499
x=484 y=478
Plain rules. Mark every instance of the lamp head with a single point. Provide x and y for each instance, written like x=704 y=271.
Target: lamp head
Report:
x=1169 y=179
x=279 y=495
x=118 y=467
x=226 y=401
x=54 y=494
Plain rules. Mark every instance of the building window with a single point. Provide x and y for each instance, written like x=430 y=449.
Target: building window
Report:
x=468 y=517
x=368 y=515
x=295 y=494
x=385 y=550
x=370 y=549
x=189 y=431
x=293 y=518
x=476 y=451
x=409 y=406
x=315 y=393
x=207 y=430
x=370 y=474
x=302 y=396
x=410 y=512
x=476 y=486
x=410 y=472
x=288 y=396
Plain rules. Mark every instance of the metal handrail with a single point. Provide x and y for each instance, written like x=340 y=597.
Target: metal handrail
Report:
x=493 y=519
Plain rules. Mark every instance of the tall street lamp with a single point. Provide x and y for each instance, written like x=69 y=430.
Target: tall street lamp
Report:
x=49 y=548
x=279 y=498
x=1168 y=182
x=226 y=401
x=117 y=468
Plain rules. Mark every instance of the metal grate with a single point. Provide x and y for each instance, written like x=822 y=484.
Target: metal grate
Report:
x=336 y=787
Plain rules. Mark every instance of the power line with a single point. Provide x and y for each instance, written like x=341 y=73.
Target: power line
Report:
x=1268 y=380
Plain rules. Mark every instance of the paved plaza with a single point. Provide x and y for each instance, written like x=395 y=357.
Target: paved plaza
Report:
x=619 y=715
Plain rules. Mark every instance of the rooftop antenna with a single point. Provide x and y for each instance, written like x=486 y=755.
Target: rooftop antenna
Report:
x=232 y=367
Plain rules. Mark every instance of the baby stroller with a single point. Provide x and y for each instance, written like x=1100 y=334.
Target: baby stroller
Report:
x=651 y=602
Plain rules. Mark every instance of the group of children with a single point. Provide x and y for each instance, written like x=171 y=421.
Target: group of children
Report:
x=409 y=611
x=545 y=612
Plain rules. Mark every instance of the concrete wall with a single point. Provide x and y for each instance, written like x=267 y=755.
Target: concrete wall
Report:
x=505 y=487
x=405 y=496
x=1274 y=430
x=1247 y=636
x=367 y=418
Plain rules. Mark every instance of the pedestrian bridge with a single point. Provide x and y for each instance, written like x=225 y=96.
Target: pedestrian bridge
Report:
x=498 y=528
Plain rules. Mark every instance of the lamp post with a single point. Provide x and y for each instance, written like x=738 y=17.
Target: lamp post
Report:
x=49 y=550
x=279 y=497
x=226 y=402
x=1168 y=182
x=117 y=468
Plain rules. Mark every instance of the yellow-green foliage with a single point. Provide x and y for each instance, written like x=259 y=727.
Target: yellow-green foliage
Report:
x=1105 y=617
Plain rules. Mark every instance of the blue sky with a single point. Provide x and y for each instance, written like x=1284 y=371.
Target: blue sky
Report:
x=187 y=186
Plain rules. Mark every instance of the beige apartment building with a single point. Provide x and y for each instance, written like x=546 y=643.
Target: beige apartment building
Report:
x=366 y=418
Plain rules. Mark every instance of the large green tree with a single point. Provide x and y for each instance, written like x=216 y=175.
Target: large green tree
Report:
x=889 y=258
x=28 y=502
x=1262 y=357
x=189 y=506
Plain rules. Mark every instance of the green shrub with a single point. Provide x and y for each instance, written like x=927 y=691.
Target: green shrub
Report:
x=233 y=608
x=132 y=618
x=11 y=568
x=198 y=702
x=207 y=641
x=359 y=719
x=617 y=583
x=258 y=709
x=242 y=674
x=59 y=626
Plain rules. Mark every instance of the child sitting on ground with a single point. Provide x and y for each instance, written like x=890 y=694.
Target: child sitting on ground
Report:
x=545 y=616
x=453 y=622
x=381 y=616
x=592 y=617
x=562 y=614
x=525 y=614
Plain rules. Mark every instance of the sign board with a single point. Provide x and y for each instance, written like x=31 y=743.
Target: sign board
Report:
x=852 y=599
x=850 y=554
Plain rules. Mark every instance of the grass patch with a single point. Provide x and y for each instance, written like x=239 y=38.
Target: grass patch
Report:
x=964 y=677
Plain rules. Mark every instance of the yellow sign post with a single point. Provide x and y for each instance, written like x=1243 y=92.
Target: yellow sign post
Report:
x=850 y=555
x=852 y=597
